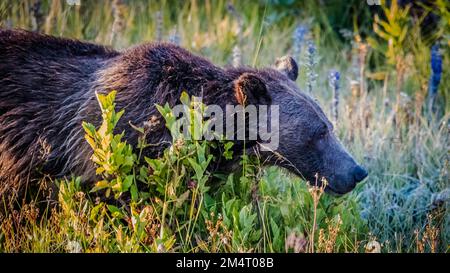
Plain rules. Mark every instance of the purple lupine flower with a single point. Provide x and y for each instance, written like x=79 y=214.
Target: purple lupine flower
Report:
x=298 y=40
x=436 y=73
x=311 y=48
x=310 y=64
x=333 y=79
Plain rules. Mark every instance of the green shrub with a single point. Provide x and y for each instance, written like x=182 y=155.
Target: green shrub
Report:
x=252 y=210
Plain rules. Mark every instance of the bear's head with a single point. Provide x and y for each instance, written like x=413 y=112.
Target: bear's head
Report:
x=307 y=144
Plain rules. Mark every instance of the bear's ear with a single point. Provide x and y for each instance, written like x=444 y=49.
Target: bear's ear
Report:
x=250 y=89
x=288 y=66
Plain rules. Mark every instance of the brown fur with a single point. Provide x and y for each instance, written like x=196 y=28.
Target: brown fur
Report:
x=48 y=86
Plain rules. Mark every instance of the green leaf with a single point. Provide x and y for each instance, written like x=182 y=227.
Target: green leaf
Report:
x=115 y=211
x=89 y=129
x=134 y=192
x=197 y=168
x=127 y=182
x=100 y=185
x=95 y=211
x=185 y=98
x=91 y=141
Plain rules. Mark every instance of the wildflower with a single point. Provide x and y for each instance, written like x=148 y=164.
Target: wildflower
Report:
x=179 y=144
x=237 y=53
x=161 y=248
x=37 y=17
x=316 y=192
x=299 y=38
x=118 y=8
x=334 y=78
x=436 y=73
x=192 y=184
x=31 y=212
x=237 y=56
x=297 y=243
x=74 y=247
x=328 y=241
x=373 y=247
x=232 y=10
x=73 y=2
x=174 y=37
x=80 y=195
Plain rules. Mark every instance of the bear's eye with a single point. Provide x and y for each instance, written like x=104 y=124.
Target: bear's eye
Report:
x=322 y=134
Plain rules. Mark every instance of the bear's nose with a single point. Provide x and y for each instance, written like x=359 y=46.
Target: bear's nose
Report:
x=359 y=173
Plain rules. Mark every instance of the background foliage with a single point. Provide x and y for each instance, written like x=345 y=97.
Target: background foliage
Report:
x=383 y=55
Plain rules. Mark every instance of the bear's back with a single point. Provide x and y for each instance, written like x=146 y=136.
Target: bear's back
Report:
x=40 y=68
x=15 y=42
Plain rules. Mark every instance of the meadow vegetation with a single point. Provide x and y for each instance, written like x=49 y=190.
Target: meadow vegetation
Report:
x=378 y=73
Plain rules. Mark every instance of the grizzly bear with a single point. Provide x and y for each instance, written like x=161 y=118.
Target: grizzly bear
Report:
x=48 y=87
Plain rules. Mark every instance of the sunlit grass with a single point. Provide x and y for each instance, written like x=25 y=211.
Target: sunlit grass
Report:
x=406 y=152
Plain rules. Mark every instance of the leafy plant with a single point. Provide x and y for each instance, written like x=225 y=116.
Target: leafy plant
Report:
x=115 y=158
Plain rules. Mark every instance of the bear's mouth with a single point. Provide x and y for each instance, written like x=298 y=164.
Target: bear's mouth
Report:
x=330 y=190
